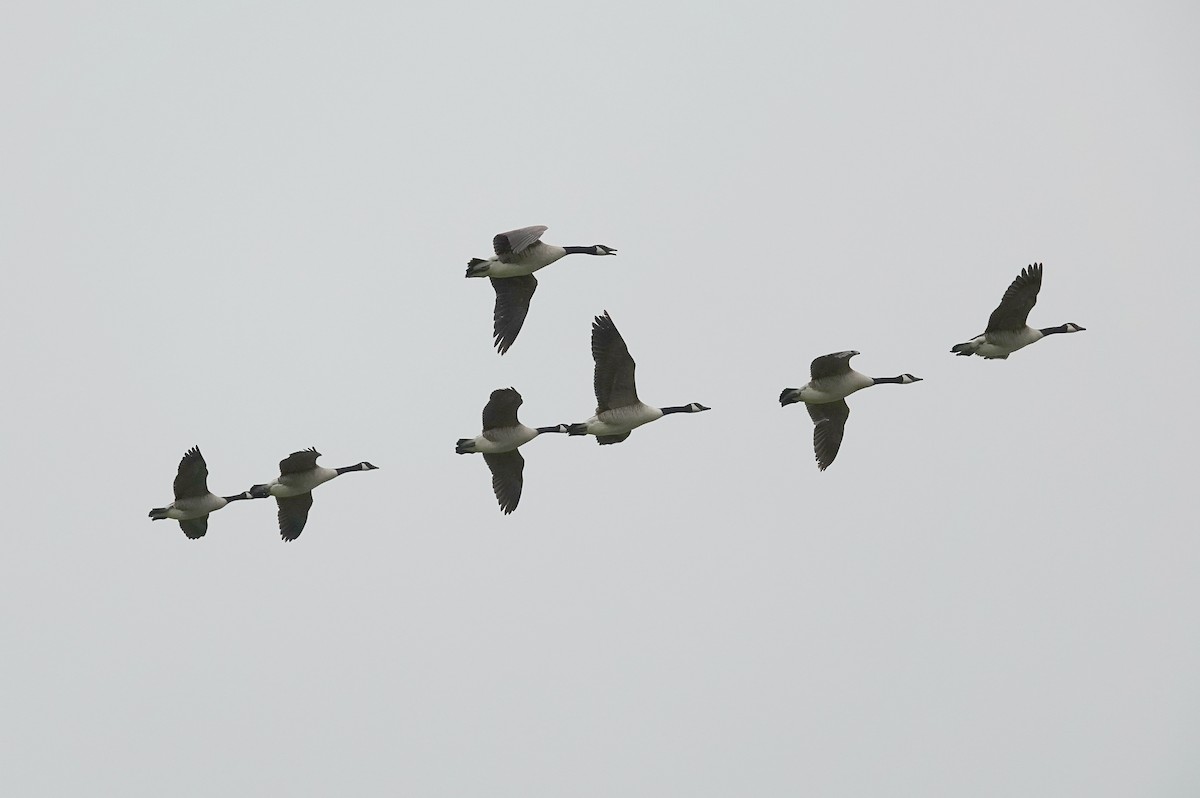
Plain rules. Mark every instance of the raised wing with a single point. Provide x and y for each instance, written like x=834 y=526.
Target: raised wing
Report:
x=613 y=381
x=507 y=478
x=1019 y=299
x=514 y=242
x=830 y=420
x=512 y=306
x=293 y=514
x=831 y=365
x=296 y=462
x=192 y=478
x=501 y=409
x=195 y=527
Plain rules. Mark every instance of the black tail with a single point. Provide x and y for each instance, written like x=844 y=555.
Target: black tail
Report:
x=789 y=397
x=576 y=429
x=159 y=513
x=465 y=446
x=259 y=492
x=476 y=266
x=964 y=350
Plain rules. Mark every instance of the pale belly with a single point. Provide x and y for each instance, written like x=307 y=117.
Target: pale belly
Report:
x=498 y=441
x=622 y=420
x=1002 y=344
x=823 y=391
x=297 y=484
x=187 y=509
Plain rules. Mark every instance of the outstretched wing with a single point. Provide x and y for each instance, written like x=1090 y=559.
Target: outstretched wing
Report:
x=514 y=242
x=1019 y=299
x=507 y=478
x=293 y=514
x=501 y=409
x=512 y=306
x=830 y=420
x=296 y=462
x=613 y=381
x=192 y=478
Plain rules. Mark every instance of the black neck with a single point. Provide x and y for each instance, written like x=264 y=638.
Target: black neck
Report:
x=580 y=250
x=1062 y=328
x=681 y=409
x=344 y=469
x=239 y=496
x=897 y=380
x=559 y=428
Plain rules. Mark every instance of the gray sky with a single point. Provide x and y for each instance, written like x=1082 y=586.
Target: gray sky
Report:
x=244 y=226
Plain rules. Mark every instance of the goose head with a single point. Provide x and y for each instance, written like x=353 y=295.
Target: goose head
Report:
x=601 y=249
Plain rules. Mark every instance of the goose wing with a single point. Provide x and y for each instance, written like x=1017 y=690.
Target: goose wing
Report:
x=507 y=478
x=514 y=242
x=296 y=462
x=605 y=440
x=192 y=478
x=613 y=382
x=293 y=514
x=501 y=409
x=195 y=527
x=1019 y=299
x=830 y=420
x=512 y=306
x=831 y=365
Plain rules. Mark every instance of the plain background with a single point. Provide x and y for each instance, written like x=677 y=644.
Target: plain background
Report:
x=245 y=226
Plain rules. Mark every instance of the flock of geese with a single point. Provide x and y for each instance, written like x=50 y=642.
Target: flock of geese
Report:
x=520 y=253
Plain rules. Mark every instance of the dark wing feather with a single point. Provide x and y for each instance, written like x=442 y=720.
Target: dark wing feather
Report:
x=194 y=528
x=296 y=462
x=192 y=479
x=512 y=306
x=830 y=420
x=507 y=478
x=613 y=382
x=514 y=242
x=293 y=514
x=501 y=409
x=1019 y=299
x=830 y=365
x=604 y=440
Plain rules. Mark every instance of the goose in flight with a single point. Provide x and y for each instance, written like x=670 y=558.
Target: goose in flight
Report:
x=618 y=409
x=1006 y=328
x=292 y=489
x=502 y=435
x=193 y=502
x=825 y=396
x=520 y=253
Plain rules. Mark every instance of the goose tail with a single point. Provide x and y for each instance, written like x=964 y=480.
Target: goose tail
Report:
x=964 y=350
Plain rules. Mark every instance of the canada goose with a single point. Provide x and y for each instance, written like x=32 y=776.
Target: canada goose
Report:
x=618 y=409
x=1006 y=329
x=825 y=395
x=520 y=253
x=193 y=502
x=292 y=489
x=502 y=435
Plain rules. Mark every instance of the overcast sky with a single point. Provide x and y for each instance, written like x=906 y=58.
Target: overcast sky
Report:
x=244 y=226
